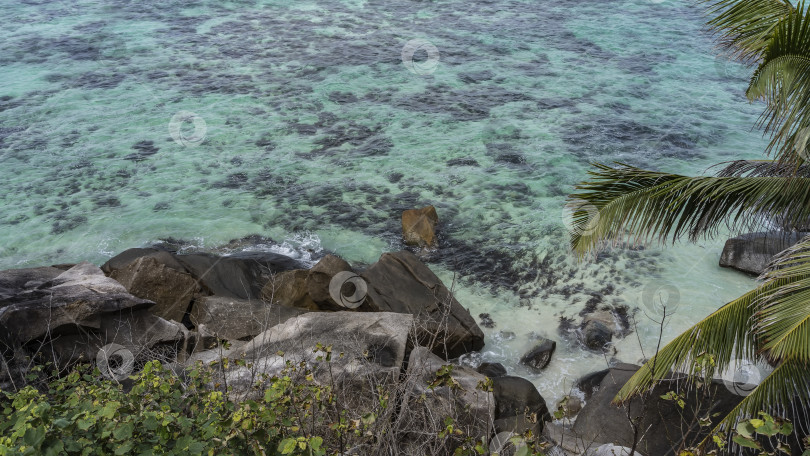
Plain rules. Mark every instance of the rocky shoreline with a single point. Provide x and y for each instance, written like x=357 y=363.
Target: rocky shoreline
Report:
x=389 y=320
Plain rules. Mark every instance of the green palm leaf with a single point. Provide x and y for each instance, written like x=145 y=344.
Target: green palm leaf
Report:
x=782 y=80
x=746 y=26
x=626 y=202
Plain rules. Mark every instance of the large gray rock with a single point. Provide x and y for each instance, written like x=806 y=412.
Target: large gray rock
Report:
x=75 y=298
x=234 y=319
x=460 y=395
x=373 y=348
x=665 y=424
x=14 y=281
x=400 y=283
x=170 y=289
x=752 y=252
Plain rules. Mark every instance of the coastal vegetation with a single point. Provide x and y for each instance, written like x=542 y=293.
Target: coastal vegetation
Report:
x=770 y=324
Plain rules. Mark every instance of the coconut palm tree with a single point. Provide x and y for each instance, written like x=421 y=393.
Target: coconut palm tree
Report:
x=623 y=203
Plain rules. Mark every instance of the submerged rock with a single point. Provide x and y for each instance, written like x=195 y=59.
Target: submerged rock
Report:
x=752 y=252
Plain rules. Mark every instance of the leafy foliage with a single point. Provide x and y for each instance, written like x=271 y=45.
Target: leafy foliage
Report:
x=84 y=414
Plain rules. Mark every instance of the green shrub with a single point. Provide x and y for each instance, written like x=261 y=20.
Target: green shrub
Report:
x=83 y=413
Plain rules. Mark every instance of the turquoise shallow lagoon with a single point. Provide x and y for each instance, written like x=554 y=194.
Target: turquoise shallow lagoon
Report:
x=308 y=128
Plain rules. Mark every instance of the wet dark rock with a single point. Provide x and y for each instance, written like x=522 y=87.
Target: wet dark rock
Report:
x=492 y=370
x=589 y=383
x=666 y=423
x=596 y=335
x=518 y=406
x=540 y=355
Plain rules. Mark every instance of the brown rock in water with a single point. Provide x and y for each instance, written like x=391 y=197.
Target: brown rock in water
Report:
x=170 y=289
x=419 y=227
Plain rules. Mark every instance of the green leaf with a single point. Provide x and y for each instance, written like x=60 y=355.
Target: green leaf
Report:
x=287 y=446
x=745 y=429
x=745 y=442
x=33 y=437
x=123 y=431
x=124 y=448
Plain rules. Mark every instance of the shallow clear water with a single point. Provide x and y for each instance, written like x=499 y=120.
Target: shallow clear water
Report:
x=308 y=128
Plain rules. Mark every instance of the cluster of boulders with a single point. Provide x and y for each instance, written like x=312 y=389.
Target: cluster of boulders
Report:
x=394 y=321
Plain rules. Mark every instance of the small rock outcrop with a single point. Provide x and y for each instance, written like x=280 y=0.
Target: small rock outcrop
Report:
x=540 y=355
x=752 y=252
x=419 y=227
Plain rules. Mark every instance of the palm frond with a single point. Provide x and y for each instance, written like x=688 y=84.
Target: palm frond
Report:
x=746 y=26
x=624 y=201
x=783 y=81
x=723 y=334
x=784 y=389
x=761 y=168
x=783 y=317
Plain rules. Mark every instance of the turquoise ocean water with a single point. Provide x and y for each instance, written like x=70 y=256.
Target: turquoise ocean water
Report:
x=123 y=122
